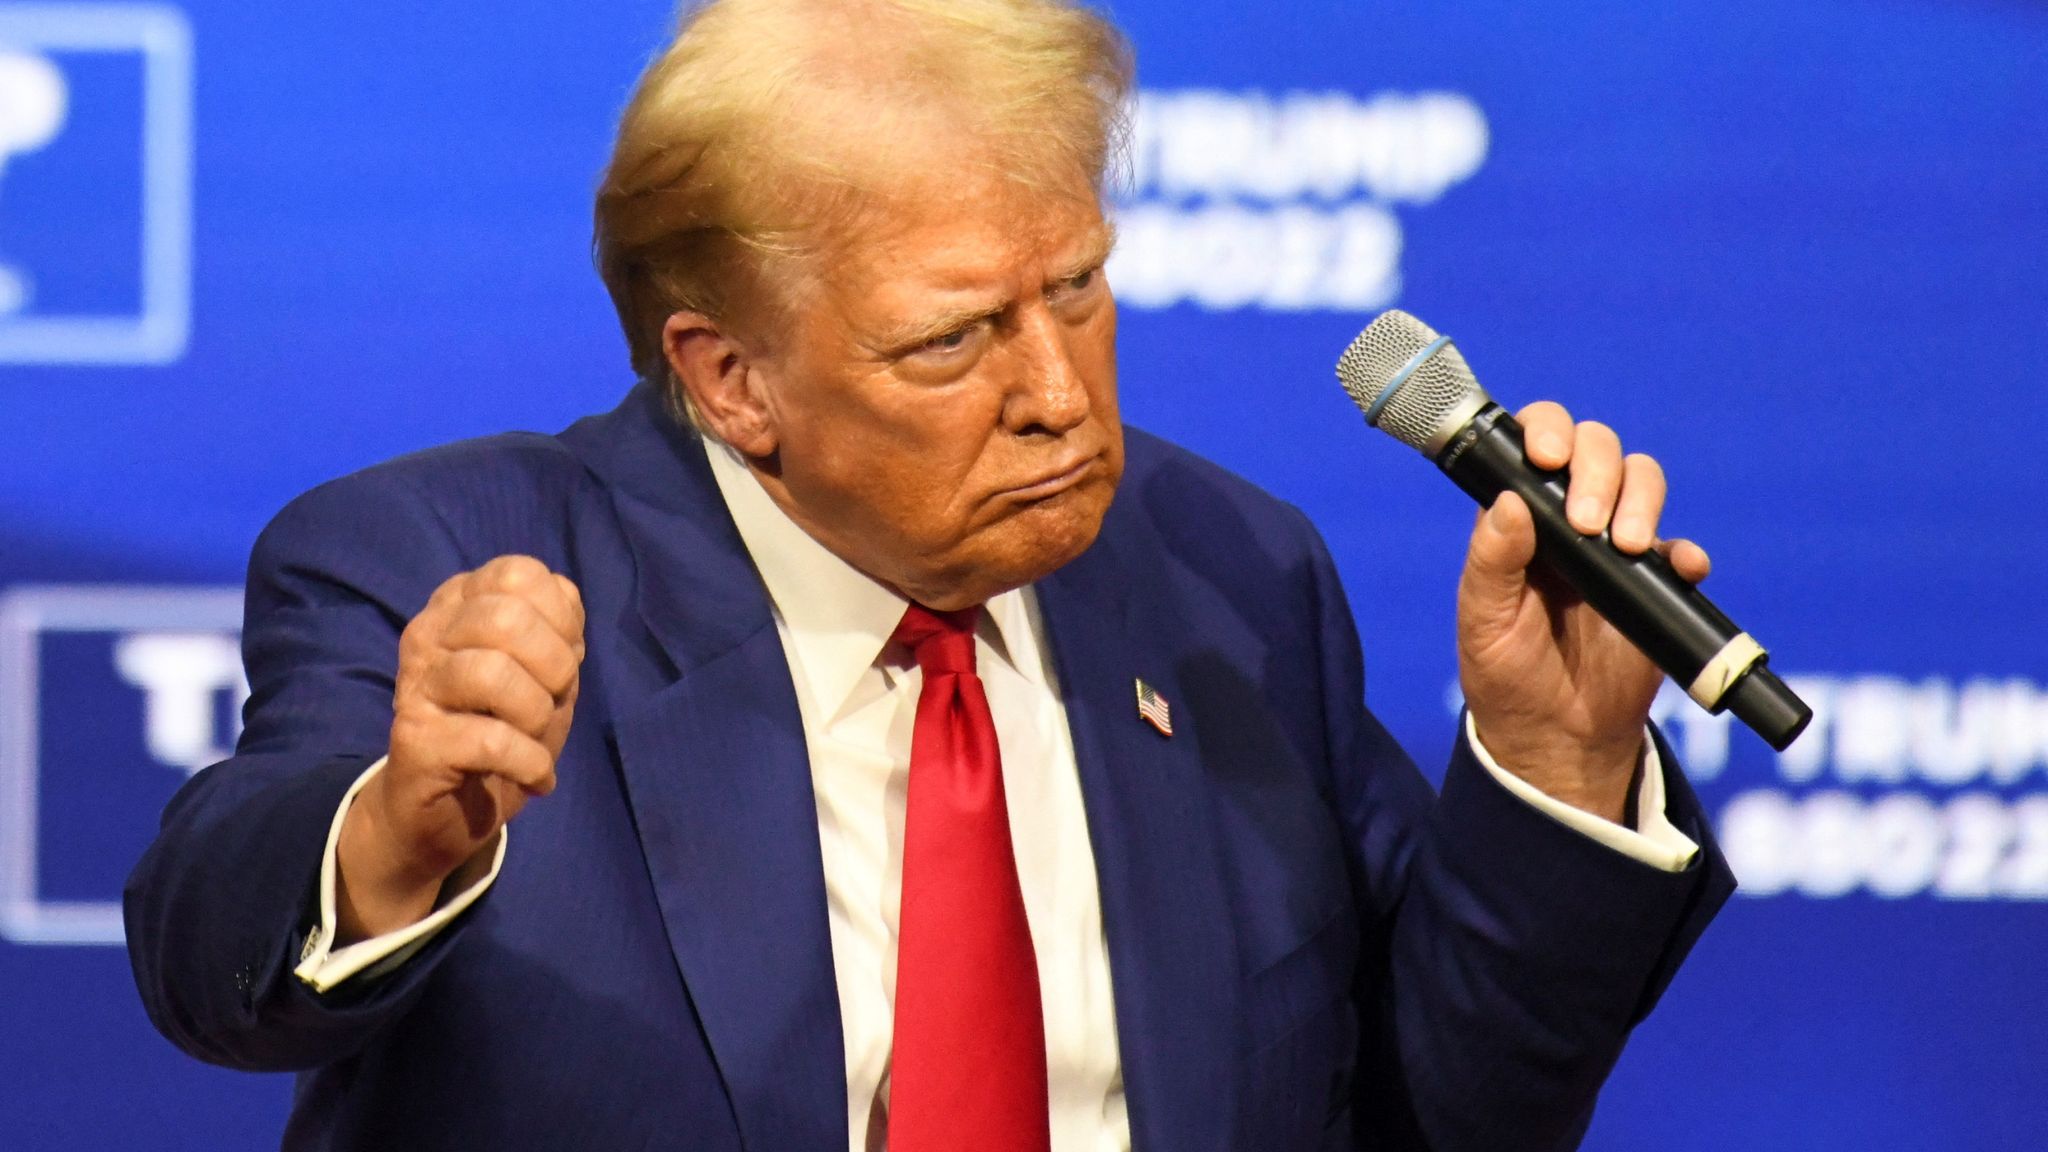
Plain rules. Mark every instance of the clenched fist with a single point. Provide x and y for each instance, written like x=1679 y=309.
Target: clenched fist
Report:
x=487 y=680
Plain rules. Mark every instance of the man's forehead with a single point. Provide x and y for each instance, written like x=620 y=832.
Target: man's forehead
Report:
x=966 y=241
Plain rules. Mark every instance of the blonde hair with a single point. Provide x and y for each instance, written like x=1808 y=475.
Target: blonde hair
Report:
x=765 y=123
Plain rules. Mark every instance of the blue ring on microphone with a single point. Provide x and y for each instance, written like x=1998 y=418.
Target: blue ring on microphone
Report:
x=1372 y=413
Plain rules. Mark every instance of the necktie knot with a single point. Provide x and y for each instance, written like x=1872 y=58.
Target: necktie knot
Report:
x=939 y=641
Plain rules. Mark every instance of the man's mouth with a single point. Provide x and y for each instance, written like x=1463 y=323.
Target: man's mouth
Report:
x=1054 y=483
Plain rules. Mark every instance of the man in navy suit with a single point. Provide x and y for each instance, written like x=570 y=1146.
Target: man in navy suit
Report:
x=857 y=251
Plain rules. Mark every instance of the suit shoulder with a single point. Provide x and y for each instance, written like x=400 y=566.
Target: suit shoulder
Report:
x=482 y=496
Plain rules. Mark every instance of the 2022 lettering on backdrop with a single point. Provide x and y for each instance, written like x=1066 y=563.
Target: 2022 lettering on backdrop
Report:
x=1793 y=250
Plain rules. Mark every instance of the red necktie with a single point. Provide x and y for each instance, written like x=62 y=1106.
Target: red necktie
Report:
x=968 y=1073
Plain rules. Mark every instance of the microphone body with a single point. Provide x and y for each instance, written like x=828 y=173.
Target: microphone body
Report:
x=1444 y=413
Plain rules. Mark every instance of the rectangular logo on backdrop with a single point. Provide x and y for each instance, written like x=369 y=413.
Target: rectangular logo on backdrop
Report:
x=110 y=698
x=95 y=183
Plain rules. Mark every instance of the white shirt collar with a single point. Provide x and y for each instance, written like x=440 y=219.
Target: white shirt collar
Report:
x=837 y=617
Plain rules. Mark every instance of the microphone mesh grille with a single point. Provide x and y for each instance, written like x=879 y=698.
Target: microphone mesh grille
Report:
x=1415 y=413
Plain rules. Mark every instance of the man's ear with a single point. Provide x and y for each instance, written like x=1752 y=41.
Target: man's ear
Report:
x=722 y=382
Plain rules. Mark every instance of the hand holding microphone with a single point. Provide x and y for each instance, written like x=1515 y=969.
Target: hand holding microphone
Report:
x=1559 y=660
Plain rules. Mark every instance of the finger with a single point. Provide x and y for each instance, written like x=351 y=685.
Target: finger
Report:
x=511 y=572
x=1503 y=543
x=530 y=580
x=1491 y=591
x=1688 y=559
x=556 y=733
x=1595 y=477
x=1546 y=433
x=467 y=742
x=573 y=597
x=448 y=593
x=490 y=802
x=491 y=682
x=514 y=626
x=1641 y=503
x=423 y=631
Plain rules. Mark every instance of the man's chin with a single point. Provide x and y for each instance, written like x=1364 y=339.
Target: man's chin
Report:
x=1026 y=547
x=1047 y=537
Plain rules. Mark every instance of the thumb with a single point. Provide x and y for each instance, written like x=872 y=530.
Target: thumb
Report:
x=1497 y=562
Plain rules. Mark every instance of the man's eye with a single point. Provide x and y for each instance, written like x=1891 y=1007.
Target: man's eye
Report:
x=1073 y=285
x=950 y=342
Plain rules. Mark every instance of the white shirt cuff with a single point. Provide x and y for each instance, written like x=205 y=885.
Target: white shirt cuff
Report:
x=1654 y=840
x=324 y=966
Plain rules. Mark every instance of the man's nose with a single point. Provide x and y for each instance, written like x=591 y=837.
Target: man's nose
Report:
x=1049 y=392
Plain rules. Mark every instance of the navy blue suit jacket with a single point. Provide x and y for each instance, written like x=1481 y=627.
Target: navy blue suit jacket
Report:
x=1309 y=949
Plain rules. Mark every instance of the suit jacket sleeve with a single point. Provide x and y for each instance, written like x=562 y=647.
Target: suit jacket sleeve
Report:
x=217 y=905
x=1506 y=956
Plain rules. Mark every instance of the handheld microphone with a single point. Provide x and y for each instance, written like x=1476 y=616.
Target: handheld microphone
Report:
x=1415 y=386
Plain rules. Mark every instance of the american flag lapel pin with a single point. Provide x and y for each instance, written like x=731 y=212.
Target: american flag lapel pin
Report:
x=1153 y=709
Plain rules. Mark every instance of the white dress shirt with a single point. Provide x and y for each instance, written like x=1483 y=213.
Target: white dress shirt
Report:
x=858 y=704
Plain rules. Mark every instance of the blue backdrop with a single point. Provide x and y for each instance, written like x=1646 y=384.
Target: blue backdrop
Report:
x=1795 y=250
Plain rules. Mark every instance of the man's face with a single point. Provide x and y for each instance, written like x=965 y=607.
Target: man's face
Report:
x=943 y=407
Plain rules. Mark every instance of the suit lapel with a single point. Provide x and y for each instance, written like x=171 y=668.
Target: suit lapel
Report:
x=1173 y=959
x=720 y=785
x=711 y=751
